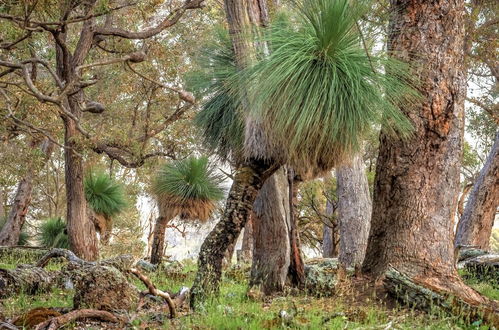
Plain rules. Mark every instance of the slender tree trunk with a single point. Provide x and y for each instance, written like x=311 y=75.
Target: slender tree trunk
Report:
x=296 y=270
x=81 y=231
x=9 y=235
x=245 y=254
x=475 y=226
x=158 y=241
x=271 y=221
x=417 y=179
x=354 y=212
x=247 y=183
x=330 y=237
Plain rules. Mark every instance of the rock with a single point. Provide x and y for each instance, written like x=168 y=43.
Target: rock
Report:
x=103 y=288
x=320 y=276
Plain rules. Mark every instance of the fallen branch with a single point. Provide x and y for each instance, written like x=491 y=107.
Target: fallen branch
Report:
x=152 y=290
x=57 y=253
x=59 y=321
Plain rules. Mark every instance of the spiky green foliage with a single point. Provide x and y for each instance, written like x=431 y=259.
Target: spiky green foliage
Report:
x=104 y=195
x=189 y=179
x=222 y=126
x=53 y=234
x=318 y=91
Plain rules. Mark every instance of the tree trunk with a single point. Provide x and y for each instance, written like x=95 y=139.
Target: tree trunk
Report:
x=250 y=176
x=296 y=270
x=475 y=226
x=354 y=212
x=9 y=234
x=330 y=237
x=271 y=222
x=247 y=183
x=158 y=241
x=417 y=179
x=245 y=254
x=81 y=230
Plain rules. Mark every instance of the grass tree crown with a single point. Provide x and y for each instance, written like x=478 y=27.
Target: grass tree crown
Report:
x=189 y=187
x=316 y=91
x=104 y=195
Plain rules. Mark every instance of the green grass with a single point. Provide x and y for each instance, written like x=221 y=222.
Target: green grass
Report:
x=234 y=310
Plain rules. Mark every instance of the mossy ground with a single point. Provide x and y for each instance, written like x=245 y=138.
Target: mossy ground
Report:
x=234 y=310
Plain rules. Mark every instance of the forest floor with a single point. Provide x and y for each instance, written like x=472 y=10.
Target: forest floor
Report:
x=235 y=310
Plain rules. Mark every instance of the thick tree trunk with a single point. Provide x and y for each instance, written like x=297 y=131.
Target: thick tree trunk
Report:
x=9 y=235
x=271 y=223
x=475 y=226
x=81 y=230
x=354 y=212
x=330 y=237
x=247 y=183
x=296 y=270
x=417 y=180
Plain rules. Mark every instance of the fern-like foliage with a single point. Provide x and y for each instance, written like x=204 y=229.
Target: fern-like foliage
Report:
x=104 y=195
x=53 y=234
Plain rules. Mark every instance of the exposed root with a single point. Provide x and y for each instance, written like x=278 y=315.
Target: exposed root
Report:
x=59 y=321
x=152 y=290
x=448 y=293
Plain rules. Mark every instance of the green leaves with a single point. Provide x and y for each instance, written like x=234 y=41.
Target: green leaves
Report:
x=318 y=92
x=53 y=234
x=104 y=195
x=189 y=179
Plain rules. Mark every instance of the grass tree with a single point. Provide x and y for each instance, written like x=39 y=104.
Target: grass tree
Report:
x=188 y=188
x=105 y=199
x=307 y=104
x=53 y=234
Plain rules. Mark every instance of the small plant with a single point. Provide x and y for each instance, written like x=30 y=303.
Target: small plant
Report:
x=53 y=233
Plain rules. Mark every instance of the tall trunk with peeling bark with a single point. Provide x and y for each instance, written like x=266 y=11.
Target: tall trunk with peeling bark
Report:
x=271 y=231
x=354 y=211
x=475 y=226
x=417 y=179
x=9 y=235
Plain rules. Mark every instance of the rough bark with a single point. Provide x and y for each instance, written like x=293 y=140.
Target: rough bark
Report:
x=475 y=226
x=417 y=179
x=271 y=223
x=248 y=180
x=296 y=270
x=10 y=232
x=81 y=231
x=354 y=212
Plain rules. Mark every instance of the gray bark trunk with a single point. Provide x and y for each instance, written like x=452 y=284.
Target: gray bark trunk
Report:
x=271 y=223
x=475 y=226
x=245 y=254
x=9 y=235
x=354 y=212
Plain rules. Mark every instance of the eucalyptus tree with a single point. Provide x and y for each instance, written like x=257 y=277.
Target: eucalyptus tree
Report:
x=57 y=53
x=306 y=104
x=189 y=188
x=417 y=179
x=105 y=198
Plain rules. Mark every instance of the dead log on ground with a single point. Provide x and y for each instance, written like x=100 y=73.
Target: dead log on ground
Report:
x=59 y=321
